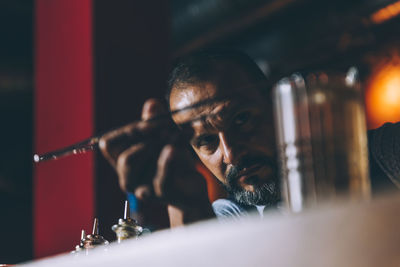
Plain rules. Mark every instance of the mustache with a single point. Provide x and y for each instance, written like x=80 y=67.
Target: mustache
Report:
x=246 y=162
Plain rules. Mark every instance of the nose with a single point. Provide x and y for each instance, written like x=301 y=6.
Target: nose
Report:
x=228 y=149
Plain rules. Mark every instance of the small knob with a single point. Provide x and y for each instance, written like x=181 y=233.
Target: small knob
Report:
x=95 y=239
x=79 y=247
x=126 y=227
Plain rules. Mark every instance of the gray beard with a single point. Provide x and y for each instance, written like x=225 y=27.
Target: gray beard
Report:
x=266 y=194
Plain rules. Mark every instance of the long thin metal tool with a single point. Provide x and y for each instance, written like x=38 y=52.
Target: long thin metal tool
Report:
x=93 y=142
x=78 y=148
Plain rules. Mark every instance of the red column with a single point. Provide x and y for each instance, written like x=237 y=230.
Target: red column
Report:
x=63 y=106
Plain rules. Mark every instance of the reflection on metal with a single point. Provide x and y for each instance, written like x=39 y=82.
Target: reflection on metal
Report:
x=127 y=227
x=80 y=247
x=95 y=239
x=88 y=242
x=386 y=13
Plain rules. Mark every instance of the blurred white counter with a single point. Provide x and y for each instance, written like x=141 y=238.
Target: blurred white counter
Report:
x=354 y=235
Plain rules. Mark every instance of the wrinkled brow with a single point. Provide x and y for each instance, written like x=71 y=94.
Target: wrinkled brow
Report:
x=219 y=117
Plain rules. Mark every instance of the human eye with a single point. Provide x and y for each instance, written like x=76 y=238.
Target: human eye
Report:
x=245 y=121
x=206 y=141
x=241 y=118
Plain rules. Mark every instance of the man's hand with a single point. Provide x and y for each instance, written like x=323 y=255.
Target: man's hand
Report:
x=153 y=160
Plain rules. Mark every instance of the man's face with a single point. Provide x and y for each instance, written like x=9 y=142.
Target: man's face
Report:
x=234 y=137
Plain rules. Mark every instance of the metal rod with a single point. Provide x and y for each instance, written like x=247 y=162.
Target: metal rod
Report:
x=78 y=148
x=95 y=227
x=91 y=143
x=126 y=210
x=83 y=235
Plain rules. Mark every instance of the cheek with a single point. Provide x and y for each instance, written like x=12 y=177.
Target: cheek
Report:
x=266 y=134
x=213 y=163
x=263 y=139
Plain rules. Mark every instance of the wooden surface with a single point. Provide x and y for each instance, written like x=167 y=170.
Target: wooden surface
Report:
x=333 y=235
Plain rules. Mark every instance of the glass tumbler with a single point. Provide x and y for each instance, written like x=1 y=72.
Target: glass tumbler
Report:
x=322 y=139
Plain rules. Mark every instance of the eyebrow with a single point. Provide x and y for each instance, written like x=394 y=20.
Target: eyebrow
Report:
x=204 y=119
x=231 y=108
x=235 y=107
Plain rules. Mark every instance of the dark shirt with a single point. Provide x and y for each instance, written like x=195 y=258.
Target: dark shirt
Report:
x=384 y=157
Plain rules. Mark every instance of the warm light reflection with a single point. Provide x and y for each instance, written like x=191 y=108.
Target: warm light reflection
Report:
x=383 y=94
x=386 y=13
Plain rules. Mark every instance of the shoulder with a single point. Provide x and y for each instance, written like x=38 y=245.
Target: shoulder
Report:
x=384 y=149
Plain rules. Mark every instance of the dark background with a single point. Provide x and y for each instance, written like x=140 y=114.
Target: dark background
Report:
x=281 y=35
x=16 y=88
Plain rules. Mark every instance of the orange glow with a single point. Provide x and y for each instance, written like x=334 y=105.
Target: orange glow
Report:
x=383 y=94
x=386 y=13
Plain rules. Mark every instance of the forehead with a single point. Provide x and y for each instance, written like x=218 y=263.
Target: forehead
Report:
x=186 y=95
x=228 y=84
x=201 y=99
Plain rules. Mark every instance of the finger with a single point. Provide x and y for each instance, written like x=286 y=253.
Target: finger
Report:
x=136 y=166
x=153 y=108
x=144 y=192
x=164 y=169
x=112 y=144
x=177 y=180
